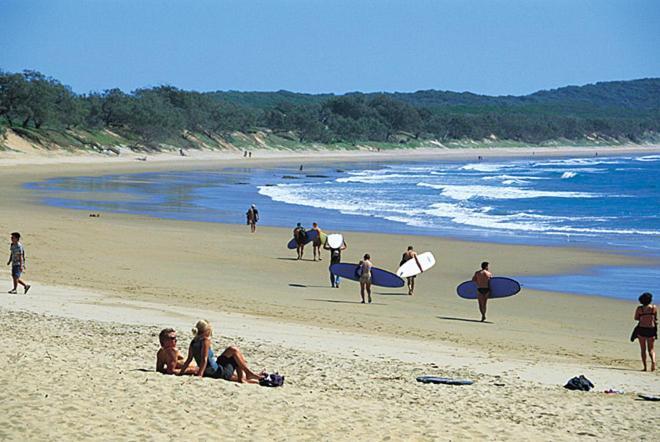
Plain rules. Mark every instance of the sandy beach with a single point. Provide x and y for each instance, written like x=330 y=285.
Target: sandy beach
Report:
x=104 y=287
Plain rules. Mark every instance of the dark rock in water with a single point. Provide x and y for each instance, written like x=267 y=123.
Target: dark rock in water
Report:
x=290 y=177
x=269 y=185
x=242 y=183
x=317 y=176
x=340 y=171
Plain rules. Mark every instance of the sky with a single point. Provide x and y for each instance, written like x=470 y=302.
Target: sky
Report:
x=493 y=47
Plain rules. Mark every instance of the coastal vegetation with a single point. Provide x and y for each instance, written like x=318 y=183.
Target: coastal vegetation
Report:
x=46 y=112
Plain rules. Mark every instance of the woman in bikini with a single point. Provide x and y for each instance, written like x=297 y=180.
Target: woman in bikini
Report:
x=365 y=276
x=647 y=329
x=230 y=365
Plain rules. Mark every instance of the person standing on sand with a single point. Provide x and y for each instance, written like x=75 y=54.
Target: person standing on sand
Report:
x=482 y=279
x=647 y=329
x=169 y=359
x=316 y=244
x=335 y=258
x=252 y=217
x=407 y=256
x=365 y=276
x=300 y=236
x=17 y=261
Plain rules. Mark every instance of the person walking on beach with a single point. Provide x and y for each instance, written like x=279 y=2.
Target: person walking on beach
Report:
x=335 y=258
x=230 y=365
x=169 y=359
x=407 y=256
x=647 y=329
x=17 y=261
x=365 y=276
x=482 y=279
x=300 y=236
x=252 y=217
x=316 y=244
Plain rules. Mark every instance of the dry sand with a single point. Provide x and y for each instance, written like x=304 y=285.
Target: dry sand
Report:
x=108 y=284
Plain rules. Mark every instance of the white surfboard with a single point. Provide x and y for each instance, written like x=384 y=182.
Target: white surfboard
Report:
x=335 y=240
x=410 y=267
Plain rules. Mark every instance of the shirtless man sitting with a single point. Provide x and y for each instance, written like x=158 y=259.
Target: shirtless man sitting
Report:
x=482 y=279
x=169 y=359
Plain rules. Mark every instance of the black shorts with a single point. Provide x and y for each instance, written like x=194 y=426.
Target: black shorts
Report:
x=647 y=332
x=226 y=368
x=483 y=290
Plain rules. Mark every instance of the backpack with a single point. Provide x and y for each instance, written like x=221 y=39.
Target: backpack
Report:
x=302 y=235
x=272 y=380
x=579 y=383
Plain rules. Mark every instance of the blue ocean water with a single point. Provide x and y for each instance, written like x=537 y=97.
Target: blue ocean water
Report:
x=602 y=202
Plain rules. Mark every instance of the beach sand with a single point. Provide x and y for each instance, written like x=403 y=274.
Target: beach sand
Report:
x=103 y=288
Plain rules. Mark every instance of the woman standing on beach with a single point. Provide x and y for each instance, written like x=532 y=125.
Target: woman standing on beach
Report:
x=647 y=329
x=365 y=276
x=230 y=361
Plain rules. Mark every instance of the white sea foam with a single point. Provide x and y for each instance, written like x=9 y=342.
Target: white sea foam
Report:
x=647 y=158
x=464 y=193
x=579 y=162
x=379 y=178
x=568 y=174
x=486 y=167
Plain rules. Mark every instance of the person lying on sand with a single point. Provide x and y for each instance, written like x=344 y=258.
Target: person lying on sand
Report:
x=230 y=365
x=169 y=359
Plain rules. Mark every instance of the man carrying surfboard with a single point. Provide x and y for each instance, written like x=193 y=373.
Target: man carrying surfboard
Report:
x=407 y=256
x=316 y=243
x=252 y=217
x=300 y=236
x=482 y=279
x=335 y=258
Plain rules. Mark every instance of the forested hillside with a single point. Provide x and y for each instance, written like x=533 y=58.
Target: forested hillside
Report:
x=44 y=110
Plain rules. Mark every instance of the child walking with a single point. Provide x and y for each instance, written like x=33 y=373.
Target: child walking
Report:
x=17 y=261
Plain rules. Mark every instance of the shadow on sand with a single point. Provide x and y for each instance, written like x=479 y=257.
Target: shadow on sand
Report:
x=337 y=301
x=391 y=294
x=449 y=318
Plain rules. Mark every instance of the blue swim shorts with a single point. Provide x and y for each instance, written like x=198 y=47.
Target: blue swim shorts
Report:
x=16 y=271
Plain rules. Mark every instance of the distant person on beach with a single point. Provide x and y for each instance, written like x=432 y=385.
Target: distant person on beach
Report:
x=250 y=154
x=316 y=244
x=230 y=365
x=300 y=235
x=17 y=261
x=647 y=329
x=482 y=279
x=169 y=359
x=365 y=276
x=335 y=258
x=407 y=256
x=252 y=217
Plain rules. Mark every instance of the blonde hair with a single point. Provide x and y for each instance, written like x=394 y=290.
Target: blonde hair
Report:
x=202 y=327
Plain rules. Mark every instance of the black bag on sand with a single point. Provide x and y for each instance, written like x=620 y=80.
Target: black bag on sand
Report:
x=579 y=383
x=272 y=380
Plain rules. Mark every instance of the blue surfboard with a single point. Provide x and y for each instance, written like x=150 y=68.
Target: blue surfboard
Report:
x=500 y=287
x=311 y=236
x=379 y=277
x=446 y=381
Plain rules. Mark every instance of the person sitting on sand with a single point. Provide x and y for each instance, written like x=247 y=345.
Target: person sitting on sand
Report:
x=230 y=365
x=407 y=256
x=300 y=236
x=335 y=258
x=647 y=329
x=316 y=244
x=365 y=276
x=482 y=279
x=169 y=359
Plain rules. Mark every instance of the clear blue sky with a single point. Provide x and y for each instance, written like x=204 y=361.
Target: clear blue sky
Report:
x=494 y=47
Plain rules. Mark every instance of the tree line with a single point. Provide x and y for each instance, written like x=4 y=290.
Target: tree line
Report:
x=31 y=100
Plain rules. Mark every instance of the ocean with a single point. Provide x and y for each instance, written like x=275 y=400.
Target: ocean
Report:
x=610 y=203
